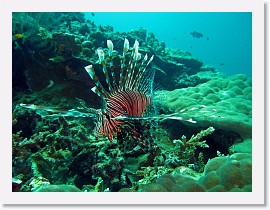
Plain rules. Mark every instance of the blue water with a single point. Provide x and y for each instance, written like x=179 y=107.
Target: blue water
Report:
x=229 y=48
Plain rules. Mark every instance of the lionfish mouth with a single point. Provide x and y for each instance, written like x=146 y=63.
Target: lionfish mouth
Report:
x=128 y=94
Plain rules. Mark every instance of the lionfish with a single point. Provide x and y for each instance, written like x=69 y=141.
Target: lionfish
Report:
x=127 y=93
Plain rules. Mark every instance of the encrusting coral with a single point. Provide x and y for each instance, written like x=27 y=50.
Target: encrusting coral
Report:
x=221 y=174
x=221 y=103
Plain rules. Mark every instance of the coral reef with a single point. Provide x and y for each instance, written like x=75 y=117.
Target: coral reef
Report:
x=57 y=188
x=222 y=103
x=221 y=174
x=63 y=43
x=62 y=154
x=184 y=150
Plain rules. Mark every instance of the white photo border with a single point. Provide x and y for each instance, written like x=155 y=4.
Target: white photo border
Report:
x=257 y=196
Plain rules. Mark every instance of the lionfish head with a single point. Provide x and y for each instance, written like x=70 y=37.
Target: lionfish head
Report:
x=127 y=91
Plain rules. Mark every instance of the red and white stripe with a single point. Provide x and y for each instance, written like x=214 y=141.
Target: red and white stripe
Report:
x=121 y=103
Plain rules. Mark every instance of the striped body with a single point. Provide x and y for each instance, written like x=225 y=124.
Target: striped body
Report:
x=122 y=103
x=125 y=97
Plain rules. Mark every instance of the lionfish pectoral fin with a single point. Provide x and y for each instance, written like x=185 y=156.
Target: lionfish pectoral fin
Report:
x=44 y=111
x=174 y=116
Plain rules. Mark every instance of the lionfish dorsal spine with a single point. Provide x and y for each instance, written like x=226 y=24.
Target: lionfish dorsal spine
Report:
x=141 y=72
x=98 y=89
x=110 y=52
x=134 y=58
x=101 y=56
x=123 y=60
x=128 y=71
x=130 y=74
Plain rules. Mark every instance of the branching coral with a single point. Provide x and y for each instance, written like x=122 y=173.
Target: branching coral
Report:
x=150 y=174
x=194 y=140
x=183 y=152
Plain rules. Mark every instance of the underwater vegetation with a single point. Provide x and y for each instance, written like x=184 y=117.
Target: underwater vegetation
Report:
x=92 y=113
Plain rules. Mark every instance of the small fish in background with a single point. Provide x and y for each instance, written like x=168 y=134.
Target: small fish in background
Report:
x=93 y=14
x=57 y=59
x=207 y=38
x=222 y=64
x=196 y=34
x=19 y=39
x=20 y=36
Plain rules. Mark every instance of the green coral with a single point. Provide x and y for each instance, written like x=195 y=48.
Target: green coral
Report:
x=150 y=174
x=57 y=188
x=185 y=149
